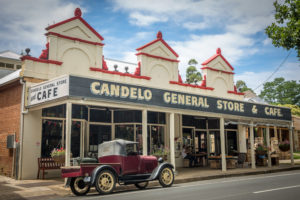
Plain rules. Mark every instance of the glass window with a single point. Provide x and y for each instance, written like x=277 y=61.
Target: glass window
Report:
x=231 y=144
x=75 y=139
x=125 y=132
x=231 y=126
x=100 y=115
x=2 y=64
x=56 y=111
x=156 y=118
x=139 y=138
x=51 y=136
x=98 y=135
x=79 y=112
x=213 y=124
x=187 y=120
x=10 y=66
x=128 y=116
x=157 y=139
x=19 y=66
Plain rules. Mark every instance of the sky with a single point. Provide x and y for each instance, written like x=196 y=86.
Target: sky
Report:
x=194 y=29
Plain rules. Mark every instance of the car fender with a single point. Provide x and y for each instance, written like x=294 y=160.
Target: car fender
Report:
x=157 y=170
x=100 y=168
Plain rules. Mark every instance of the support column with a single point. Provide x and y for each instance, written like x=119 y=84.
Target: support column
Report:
x=144 y=131
x=275 y=132
x=268 y=146
x=280 y=135
x=242 y=139
x=291 y=144
x=252 y=145
x=222 y=136
x=68 y=132
x=172 y=145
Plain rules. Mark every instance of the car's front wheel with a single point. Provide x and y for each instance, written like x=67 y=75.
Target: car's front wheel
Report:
x=105 y=182
x=166 y=177
x=79 y=187
x=141 y=185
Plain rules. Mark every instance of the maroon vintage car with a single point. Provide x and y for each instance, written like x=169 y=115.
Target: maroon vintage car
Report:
x=117 y=162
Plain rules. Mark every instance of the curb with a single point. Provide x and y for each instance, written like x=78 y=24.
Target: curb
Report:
x=268 y=171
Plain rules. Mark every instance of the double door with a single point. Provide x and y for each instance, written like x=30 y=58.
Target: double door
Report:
x=195 y=138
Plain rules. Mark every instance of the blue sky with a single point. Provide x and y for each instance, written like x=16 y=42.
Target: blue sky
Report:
x=194 y=29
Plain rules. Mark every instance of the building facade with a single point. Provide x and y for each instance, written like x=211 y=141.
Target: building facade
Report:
x=70 y=98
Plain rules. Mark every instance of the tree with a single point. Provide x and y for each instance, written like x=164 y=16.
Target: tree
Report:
x=285 y=31
x=242 y=87
x=280 y=91
x=295 y=109
x=192 y=74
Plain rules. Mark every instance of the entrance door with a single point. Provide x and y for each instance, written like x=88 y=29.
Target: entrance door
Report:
x=77 y=138
x=200 y=141
x=231 y=146
x=215 y=142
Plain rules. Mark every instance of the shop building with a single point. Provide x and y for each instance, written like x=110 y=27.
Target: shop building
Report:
x=70 y=98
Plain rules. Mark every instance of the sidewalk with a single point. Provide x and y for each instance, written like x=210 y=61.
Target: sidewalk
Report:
x=11 y=189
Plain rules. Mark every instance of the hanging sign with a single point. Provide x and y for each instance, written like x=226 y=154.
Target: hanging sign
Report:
x=98 y=89
x=48 y=91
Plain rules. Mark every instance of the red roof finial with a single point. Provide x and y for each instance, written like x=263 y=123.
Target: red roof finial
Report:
x=218 y=51
x=159 y=35
x=77 y=12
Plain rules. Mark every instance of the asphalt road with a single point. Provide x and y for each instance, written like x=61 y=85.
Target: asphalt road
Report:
x=277 y=186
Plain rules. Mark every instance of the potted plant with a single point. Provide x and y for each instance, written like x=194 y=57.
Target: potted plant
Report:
x=261 y=151
x=58 y=155
x=163 y=153
x=284 y=146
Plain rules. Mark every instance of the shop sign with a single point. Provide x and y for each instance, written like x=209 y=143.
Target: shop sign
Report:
x=48 y=91
x=98 y=89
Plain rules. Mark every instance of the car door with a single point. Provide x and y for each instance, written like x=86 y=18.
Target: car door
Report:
x=131 y=164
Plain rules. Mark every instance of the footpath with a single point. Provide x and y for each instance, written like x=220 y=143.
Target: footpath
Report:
x=11 y=189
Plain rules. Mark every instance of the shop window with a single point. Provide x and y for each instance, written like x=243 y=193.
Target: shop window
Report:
x=231 y=143
x=2 y=64
x=272 y=133
x=195 y=121
x=100 y=115
x=156 y=118
x=200 y=123
x=156 y=139
x=56 y=111
x=127 y=116
x=51 y=136
x=75 y=139
x=98 y=135
x=79 y=112
x=187 y=120
x=9 y=66
x=125 y=132
x=213 y=123
x=19 y=66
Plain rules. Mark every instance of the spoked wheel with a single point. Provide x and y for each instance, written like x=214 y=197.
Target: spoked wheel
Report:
x=166 y=177
x=79 y=187
x=105 y=182
x=141 y=185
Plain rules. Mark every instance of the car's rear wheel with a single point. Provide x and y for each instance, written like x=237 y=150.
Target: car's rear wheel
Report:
x=141 y=185
x=79 y=187
x=166 y=177
x=105 y=182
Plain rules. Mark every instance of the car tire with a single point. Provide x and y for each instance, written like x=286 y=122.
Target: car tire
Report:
x=105 y=182
x=166 y=177
x=79 y=187
x=141 y=185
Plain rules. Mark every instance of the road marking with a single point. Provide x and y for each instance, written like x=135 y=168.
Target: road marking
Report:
x=282 y=188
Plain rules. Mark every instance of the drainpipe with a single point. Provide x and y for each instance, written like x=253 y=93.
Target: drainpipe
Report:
x=23 y=112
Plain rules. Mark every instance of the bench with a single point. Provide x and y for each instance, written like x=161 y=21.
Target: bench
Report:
x=47 y=164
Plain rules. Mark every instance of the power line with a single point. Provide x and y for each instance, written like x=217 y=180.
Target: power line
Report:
x=281 y=64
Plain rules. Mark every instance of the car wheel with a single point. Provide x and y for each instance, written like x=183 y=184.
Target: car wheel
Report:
x=166 y=177
x=141 y=185
x=79 y=187
x=105 y=182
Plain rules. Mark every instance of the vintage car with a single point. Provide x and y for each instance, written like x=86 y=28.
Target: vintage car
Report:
x=118 y=162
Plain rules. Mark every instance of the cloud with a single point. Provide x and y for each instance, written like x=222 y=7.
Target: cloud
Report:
x=203 y=47
x=289 y=71
x=195 y=26
x=139 y=19
x=23 y=23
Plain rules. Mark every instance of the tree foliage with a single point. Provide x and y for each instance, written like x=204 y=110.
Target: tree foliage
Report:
x=295 y=108
x=242 y=87
x=280 y=91
x=192 y=74
x=285 y=31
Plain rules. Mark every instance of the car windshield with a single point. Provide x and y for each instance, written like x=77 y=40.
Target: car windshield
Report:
x=131 y=150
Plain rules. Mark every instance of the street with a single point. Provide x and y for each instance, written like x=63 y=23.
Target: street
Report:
x=278 y=186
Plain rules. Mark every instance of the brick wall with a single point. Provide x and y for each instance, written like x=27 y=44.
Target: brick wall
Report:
x=10 y=102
